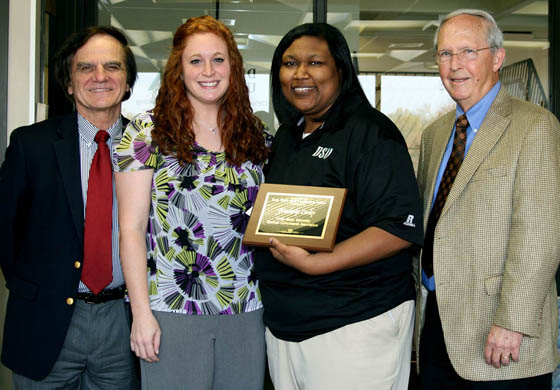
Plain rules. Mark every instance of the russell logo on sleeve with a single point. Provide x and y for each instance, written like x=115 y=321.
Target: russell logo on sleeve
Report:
x=409 y=221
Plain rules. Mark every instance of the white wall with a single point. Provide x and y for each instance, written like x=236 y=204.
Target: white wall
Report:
x=23 y=87
x=23 y=62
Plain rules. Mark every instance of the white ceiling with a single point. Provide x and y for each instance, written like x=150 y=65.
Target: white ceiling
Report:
x=386 y=36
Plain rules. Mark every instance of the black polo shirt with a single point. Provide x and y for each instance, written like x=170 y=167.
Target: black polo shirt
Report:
x=360 y=149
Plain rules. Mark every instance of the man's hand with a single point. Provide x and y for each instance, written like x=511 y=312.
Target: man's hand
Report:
x=502 y=344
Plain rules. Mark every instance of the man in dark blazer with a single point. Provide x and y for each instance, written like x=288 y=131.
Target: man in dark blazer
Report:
x=58 y=332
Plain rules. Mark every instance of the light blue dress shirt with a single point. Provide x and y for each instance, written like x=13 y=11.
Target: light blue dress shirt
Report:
x=475 y=116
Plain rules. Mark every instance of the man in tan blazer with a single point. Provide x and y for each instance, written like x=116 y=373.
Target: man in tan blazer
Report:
x=486 y=310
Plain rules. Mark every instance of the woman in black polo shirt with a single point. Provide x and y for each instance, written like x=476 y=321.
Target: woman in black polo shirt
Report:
x=340 y=320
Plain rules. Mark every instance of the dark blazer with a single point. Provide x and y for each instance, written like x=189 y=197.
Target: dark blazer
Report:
x=41 y=236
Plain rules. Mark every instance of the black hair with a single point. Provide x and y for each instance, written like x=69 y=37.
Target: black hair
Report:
x=340 y=52
x=65 y=55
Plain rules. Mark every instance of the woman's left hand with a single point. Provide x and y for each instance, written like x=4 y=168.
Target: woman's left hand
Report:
x=292 y=256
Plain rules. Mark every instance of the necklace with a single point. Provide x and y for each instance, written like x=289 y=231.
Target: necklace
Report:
x=212 y=129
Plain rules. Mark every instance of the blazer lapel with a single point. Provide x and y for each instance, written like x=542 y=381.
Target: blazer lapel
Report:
x=68 y=156
x=496 y=122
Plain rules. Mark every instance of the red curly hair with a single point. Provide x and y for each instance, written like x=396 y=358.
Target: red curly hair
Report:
x=242 y=132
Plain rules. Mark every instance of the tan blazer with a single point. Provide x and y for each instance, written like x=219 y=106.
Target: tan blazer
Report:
x=497 y=242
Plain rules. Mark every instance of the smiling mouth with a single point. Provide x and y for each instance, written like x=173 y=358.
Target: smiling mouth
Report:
x=208 y=84
x=303 y=90
x=459 y=80
x=100 y=89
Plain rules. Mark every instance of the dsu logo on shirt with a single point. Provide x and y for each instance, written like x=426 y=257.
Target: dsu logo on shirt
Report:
x=322 y=152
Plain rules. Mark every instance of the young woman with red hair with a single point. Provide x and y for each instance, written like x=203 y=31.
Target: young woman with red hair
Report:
x=188 y=172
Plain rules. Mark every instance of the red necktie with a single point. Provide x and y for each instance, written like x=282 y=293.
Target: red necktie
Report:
x=451 y=169
x=98 y=269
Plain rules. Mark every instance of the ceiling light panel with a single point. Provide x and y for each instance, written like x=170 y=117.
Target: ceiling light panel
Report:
x=386 y=25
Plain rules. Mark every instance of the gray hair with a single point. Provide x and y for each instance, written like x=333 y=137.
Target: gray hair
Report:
x=494 y=35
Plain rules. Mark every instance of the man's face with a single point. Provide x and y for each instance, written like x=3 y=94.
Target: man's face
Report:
x=468 y=81
x=98 y=79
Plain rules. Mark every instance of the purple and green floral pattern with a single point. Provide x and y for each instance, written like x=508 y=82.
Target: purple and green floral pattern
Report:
x=198 y=215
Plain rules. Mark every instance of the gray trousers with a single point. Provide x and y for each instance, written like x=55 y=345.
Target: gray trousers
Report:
x=208 y=352
x=96 y=354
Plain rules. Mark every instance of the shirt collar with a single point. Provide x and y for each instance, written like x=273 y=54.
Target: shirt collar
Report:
x=477 y=113
x=87 y=130
x=300 y=128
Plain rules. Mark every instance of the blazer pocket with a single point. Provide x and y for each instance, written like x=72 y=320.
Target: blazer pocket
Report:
x=489 y=173
x=493 y=284
x=22 y=288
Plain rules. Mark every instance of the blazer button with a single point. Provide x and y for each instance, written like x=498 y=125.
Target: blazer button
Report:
x=69 y=301
x=77 y=264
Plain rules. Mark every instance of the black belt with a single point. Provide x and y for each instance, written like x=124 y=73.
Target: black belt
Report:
x=104 y=296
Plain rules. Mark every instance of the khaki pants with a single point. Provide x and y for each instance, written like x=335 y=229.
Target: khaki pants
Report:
x=371 y=354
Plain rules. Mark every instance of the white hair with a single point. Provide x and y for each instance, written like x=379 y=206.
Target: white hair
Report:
x=494 y=35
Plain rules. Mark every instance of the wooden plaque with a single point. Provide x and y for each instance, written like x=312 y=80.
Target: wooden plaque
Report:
x=302 y=216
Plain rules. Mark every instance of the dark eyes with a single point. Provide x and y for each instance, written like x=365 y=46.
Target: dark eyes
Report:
x=85 y=68
x=289 y=64
x=111 y=67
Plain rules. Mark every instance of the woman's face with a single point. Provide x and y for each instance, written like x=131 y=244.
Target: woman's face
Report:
x=308 y=75
x=206 y=68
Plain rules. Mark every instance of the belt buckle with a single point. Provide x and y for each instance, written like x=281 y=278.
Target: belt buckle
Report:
x=90 y=300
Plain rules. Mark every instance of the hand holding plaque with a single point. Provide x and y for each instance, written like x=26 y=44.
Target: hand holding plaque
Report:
x=302 y=216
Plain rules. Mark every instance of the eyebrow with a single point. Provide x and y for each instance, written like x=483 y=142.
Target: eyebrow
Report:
x=218 y=53
x=461 y=48
x=313 y=55
x=81 y=63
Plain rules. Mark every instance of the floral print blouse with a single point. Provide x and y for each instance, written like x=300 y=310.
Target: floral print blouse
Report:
x=198 y=214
